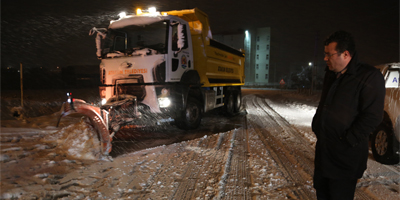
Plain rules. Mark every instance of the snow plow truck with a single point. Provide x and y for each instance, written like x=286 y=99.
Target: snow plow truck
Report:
x=160 y=67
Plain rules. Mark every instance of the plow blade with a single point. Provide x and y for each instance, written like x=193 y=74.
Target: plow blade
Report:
x=97 y=116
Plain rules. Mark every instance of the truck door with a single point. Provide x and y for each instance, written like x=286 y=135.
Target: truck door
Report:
x=179 y=53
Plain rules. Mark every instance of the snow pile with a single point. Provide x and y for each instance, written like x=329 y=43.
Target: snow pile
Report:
x=80 y=141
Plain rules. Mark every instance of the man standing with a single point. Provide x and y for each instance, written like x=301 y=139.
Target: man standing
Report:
x=351 y=107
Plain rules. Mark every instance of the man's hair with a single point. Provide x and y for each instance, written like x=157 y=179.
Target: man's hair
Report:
x=344 y=40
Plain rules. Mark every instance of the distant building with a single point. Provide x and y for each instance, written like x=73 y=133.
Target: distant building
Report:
x=257 y=45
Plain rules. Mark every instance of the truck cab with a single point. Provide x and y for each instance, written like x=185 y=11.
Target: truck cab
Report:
x=168 y=67
x=144 y=50
x=386 y=138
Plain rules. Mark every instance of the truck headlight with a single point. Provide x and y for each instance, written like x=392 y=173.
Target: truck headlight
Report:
x=103 y=101
x=164 y=102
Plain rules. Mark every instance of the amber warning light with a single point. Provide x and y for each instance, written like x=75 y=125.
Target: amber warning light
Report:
x=152 y=11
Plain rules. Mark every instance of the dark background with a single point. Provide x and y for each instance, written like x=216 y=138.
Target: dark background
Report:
x=46 y=34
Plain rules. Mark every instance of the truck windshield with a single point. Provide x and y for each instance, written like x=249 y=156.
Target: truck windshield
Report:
x=130 y=39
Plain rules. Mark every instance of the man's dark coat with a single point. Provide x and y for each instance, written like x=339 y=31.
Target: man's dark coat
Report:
x=351 y=107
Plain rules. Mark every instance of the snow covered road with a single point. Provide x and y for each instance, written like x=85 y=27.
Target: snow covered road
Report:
x=266 y=152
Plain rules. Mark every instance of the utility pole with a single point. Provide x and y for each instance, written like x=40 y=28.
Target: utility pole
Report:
x=22 y=86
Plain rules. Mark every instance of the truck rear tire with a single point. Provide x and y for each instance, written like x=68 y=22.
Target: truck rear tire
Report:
x=190 y=117
x=384 y=145
x=238 y=101
x=233 y=101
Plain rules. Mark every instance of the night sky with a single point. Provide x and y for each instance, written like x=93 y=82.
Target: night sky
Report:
x=48 y=33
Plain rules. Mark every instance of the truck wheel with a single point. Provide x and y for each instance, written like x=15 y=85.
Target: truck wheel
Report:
x=384 y=145
x=238 y=101
x=229 y=104
x=191 y=116
x=233 y=102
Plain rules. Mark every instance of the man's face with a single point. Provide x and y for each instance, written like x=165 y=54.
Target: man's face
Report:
x=336 y=61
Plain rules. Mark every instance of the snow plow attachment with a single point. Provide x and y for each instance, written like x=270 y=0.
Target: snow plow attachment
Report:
x=97 y=116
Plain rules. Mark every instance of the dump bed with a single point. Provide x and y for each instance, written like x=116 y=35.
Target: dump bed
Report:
x=216 y=63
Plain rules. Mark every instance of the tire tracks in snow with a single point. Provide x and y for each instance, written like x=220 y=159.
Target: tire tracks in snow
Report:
x=194 y=174
x=236 y=180
x=273 y=130
x=225 y=167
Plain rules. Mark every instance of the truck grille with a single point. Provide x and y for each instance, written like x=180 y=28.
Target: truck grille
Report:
x=130 y=85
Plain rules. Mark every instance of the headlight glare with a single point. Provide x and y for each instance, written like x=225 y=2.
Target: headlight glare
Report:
x=164 y=102
x=103 y=101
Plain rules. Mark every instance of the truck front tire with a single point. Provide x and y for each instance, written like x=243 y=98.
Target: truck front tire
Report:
x=190 y=117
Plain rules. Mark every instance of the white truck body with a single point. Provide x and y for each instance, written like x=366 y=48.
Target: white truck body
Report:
x=170 y=65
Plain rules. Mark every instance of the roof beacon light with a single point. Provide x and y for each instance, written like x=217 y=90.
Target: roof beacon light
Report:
x=138 y=11
x=152 y=10
x=122 y=15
